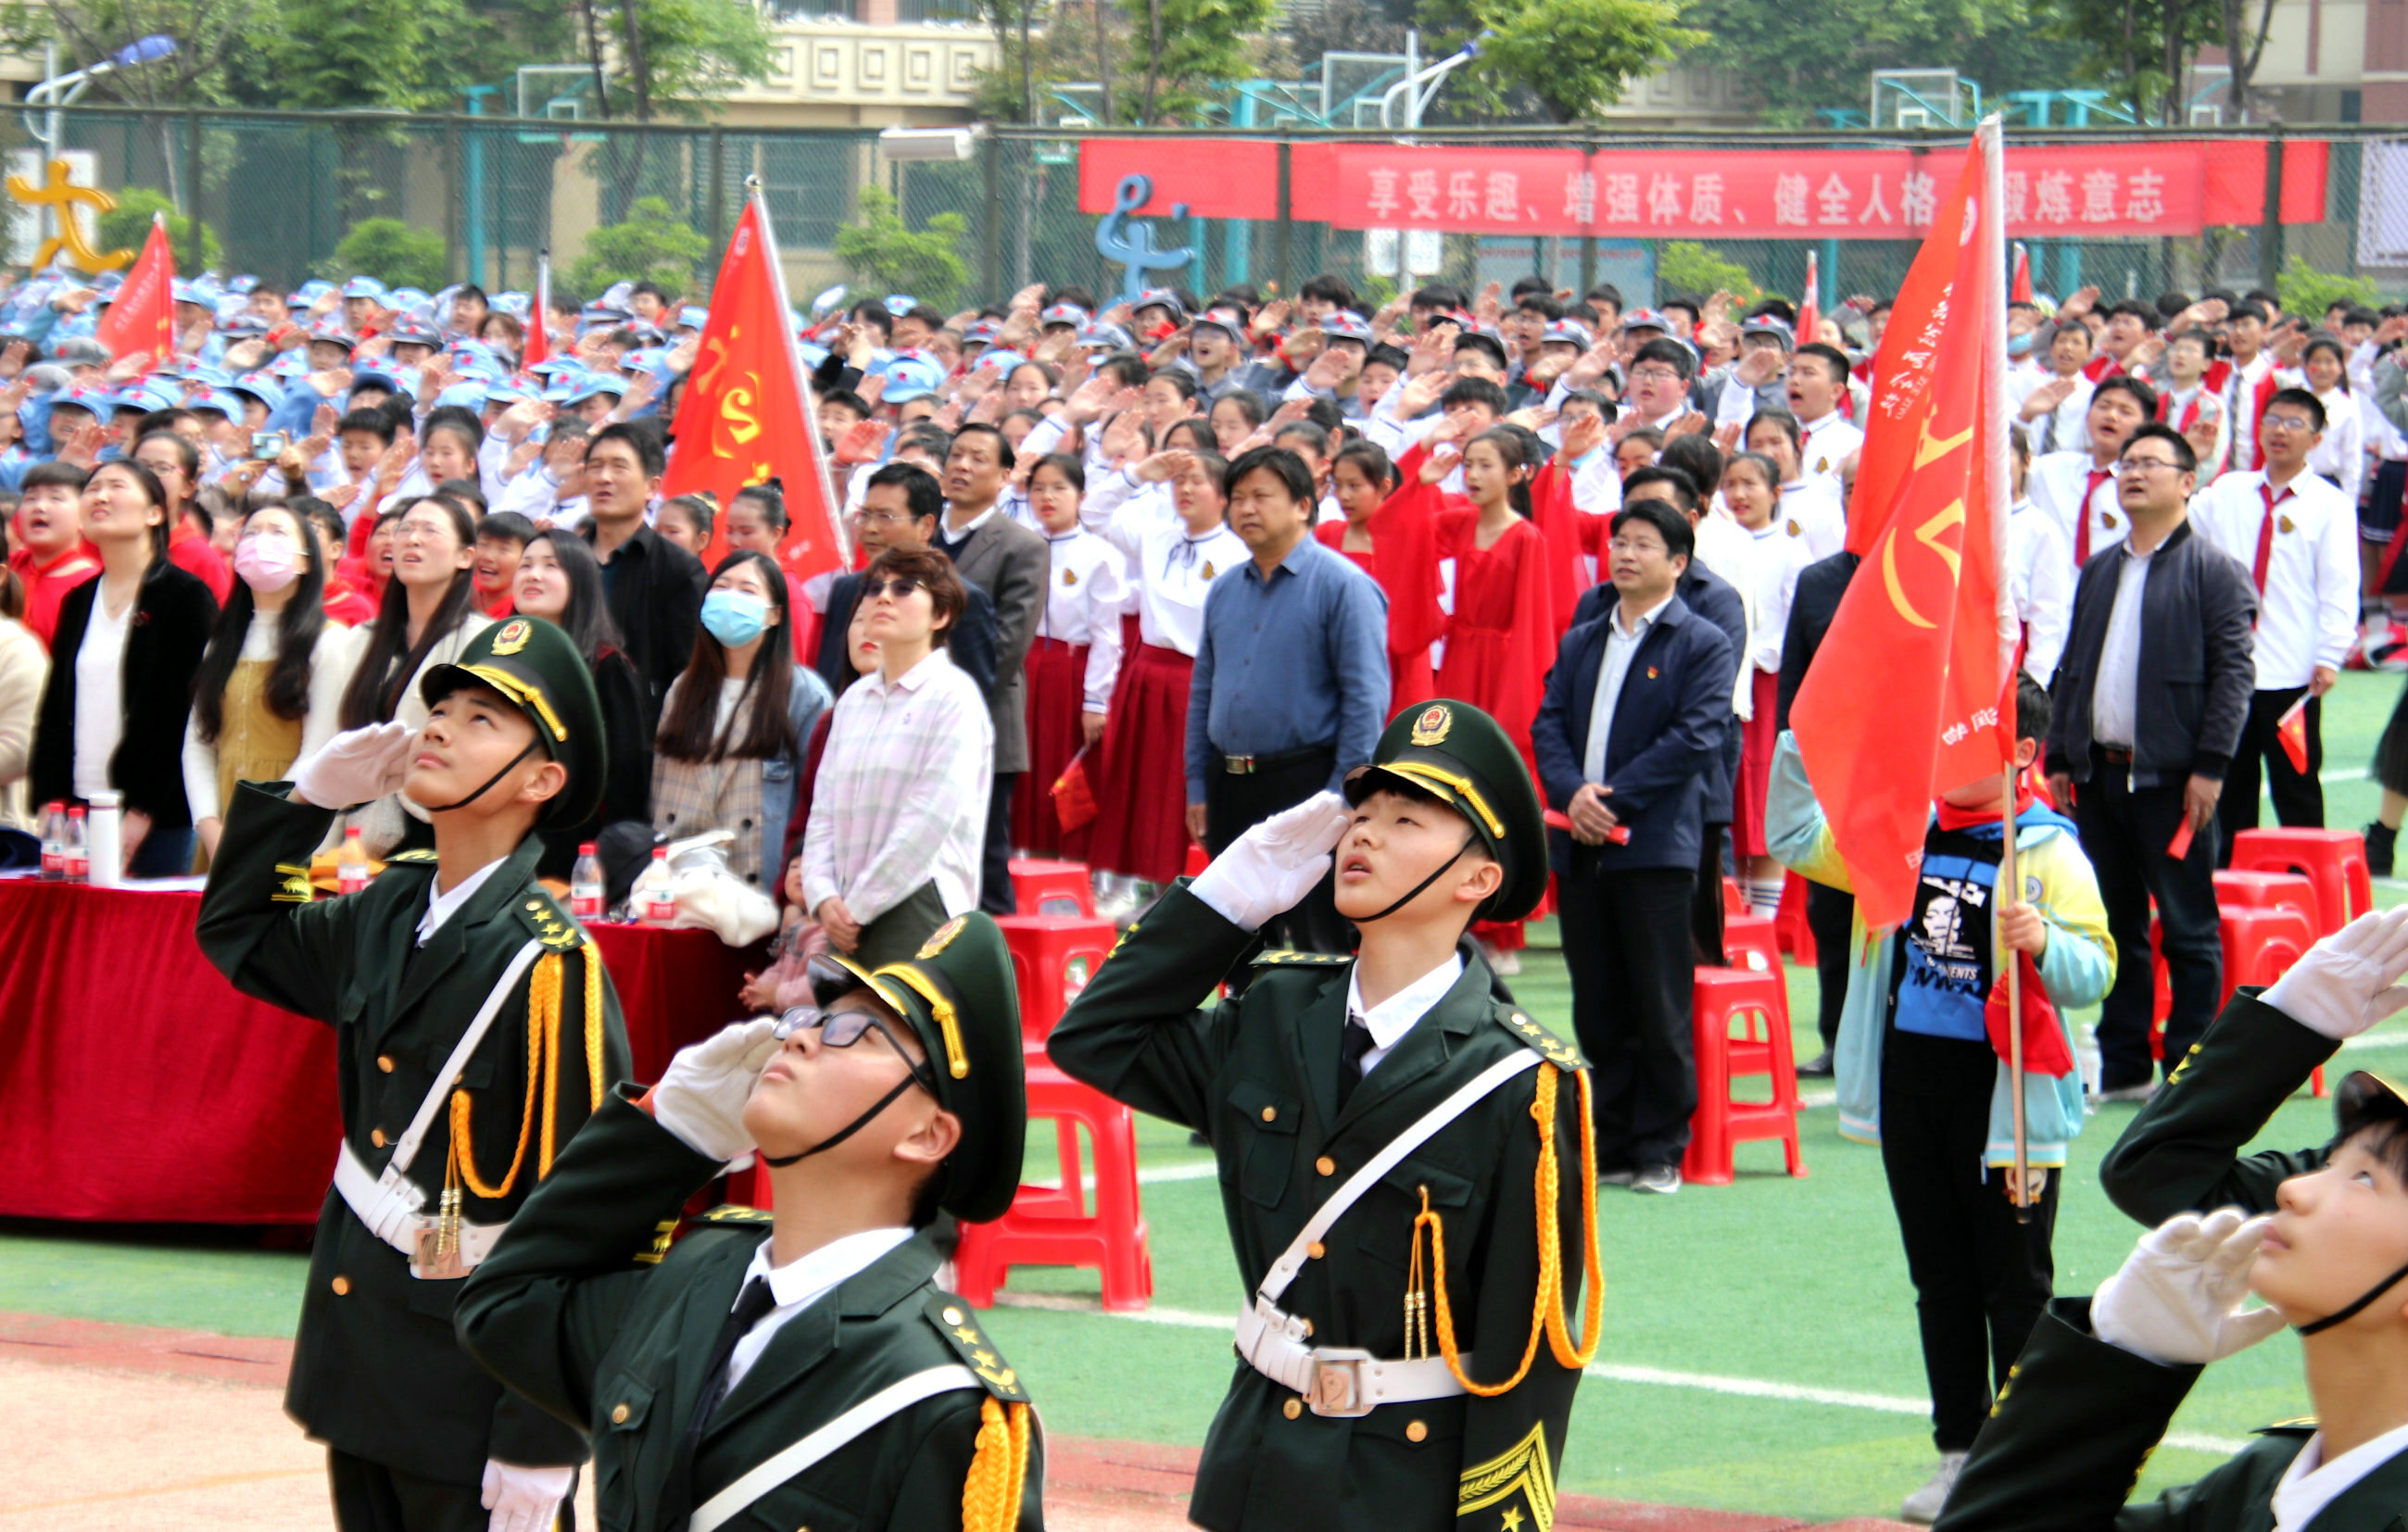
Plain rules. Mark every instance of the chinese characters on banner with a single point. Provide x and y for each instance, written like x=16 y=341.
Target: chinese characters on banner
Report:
x=2054 y=191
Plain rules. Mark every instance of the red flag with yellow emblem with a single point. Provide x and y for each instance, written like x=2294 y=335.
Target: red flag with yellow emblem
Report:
x=747 y=415
x=141 y=318
x=1910 y=693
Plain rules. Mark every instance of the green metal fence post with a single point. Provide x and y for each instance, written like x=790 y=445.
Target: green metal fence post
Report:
x=718 y=183
x=991 y=222
x=197 y=256
x=1281 y=245
x=2270 y=227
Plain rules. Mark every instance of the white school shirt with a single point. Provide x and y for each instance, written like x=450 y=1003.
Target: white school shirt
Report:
x=2307 y=616
x=100 y=692
x=1775 y=557
x=2241 y=411
x=1392 y=1017
x=1829 y=443
x=2340 y=453
x=1173 y=570
x=2061 y=430
x=2040 y=584
x=1084 y=597
x=1813 y=505
x=2056 y=486
x=2184 y=407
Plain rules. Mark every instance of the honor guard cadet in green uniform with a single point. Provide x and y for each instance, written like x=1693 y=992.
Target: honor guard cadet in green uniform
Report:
x=796 y=1367
x=2320 y=1235
x=474 y=1031
x=1409 y=1182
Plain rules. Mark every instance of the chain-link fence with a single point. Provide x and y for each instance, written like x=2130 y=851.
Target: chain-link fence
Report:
x=280 y=192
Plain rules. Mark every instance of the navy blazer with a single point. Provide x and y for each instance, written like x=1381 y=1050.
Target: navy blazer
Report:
x=1708 y=596
x=1668 y=725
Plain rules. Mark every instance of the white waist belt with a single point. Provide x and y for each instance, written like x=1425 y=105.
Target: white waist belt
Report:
x=1336 y=1380
x=389 y=1207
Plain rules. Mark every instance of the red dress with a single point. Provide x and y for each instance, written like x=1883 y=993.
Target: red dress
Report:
x=1141 y=826
x=1410 y=680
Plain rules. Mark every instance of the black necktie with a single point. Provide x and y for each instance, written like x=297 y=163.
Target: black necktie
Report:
x=1350 y=1059
x=677 y=1497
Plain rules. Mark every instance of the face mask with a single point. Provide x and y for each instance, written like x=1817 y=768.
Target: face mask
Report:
x=2020 y=345
x=734 y=618
x=266 y=563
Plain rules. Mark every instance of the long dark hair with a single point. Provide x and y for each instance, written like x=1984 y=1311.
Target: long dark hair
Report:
x=690 y=728
x=391 y=659
x=152 y=491
x=587 y=618
x=296 y=640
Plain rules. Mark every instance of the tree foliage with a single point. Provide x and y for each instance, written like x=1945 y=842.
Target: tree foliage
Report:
x=652 y=245
x=127 y=224
x=2304 y=290
x=1188 y=49
x=887 y=255
x=208 y=34
x=1795 y=58
x=1576 y=56
x=1686 y=266
x=392 y=252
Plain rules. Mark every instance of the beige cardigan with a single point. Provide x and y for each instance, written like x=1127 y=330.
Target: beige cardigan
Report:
x=25 y=668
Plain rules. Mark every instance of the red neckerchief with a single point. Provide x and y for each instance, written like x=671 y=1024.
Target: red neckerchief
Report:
x=1953 y=818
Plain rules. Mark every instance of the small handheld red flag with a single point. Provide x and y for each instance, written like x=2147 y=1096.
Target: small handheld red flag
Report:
x=2044 y=1049
x=141 y=320
x=538 y=325
x=1074 y=800
x=2292 y=730
x=1810 y=304
x=2020 y=287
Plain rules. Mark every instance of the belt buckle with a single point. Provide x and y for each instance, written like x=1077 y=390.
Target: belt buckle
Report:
x=1238 y=765
x=1338 y=1386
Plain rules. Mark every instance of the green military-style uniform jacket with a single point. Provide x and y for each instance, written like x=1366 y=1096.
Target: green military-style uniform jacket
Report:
x=588 y=1309
x=1257 y=1075
x=376 y=1370
x=2077 y=1421
x=2182 y=1152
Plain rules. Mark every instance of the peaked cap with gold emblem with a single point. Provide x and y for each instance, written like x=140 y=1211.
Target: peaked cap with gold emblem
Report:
x=1461 y=756
x=2366 y=1099
x=958 y=994
x=538 y=668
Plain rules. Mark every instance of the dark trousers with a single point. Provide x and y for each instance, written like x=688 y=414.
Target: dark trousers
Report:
x=1236 y=802
x=2125 y=833
x=1981 y=1278
x=1627 y=942
x=994 y=863
x=1830 y=915
x=1706 y=902
x=372 y=1497
x=2298 y=796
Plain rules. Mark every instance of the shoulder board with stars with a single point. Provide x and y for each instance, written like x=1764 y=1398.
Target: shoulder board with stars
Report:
x=551 y=925
x=416 y=856
x=735 y=1212
x=1282 y=957
x=960 y=1327
x=1531 y=1035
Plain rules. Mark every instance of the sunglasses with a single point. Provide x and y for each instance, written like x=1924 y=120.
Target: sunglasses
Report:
x=899 y=587
x=844 y=1028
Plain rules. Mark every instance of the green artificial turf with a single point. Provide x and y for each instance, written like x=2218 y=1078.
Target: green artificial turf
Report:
x=1795 y=1283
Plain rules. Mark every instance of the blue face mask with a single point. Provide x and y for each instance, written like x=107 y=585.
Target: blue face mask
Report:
x=2020 y=345
x=735 y=618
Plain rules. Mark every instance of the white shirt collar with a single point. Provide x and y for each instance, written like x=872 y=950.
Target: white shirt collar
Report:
x=1392 y=1017
x=799 y=1283
x=1810 y=427
x=2311 y=1483
x=913 y=679
x=443 y=907
x=1644 y=618
x=955 y=533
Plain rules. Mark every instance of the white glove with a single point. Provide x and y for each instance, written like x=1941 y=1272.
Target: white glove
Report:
x=2177 y=1298
x=2350 y=980
x=1276 y=863
x=701 y=1097
x=525 y=1499
x=356 y=766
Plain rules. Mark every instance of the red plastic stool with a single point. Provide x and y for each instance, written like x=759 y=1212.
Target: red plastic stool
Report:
x=1197 y=859
x=2269 y=891
x=1754 y=1000
x=1796 y=936
x=1053 y=957
x=1051 y=888
x=2260 y=947
x=1751 y=945
x=1056 y=1226
x=2333 y=860
x=1734 y=897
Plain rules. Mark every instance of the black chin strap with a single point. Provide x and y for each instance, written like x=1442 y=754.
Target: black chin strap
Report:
x=780 y=1161
x=2356 y=1308
x=1422 y=886
x=447 y=807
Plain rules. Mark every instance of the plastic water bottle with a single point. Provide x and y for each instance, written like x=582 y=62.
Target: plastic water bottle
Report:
x=54 y=842
x=585 y=884
x=659 y=905
x=352 y=864
x=78 y=859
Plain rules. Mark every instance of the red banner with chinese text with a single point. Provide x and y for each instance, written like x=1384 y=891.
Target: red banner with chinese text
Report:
x=747 y=414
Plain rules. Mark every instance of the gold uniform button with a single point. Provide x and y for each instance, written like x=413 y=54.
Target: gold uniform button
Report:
x=376 y=1137
x=619 y=1415
x=952 y=1317
x=1271 y=1114
x=1316 y=1250
x=342 y=1285
x=1292 y=1409
x=384 y=1062
x=1416 y=1431
x=1327 y=1166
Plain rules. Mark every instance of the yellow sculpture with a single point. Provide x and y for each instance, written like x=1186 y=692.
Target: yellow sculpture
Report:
x=61 y=193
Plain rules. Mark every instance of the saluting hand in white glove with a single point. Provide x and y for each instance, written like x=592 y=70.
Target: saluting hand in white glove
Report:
x=701 y=1097
x=2350 y=980
x=356 y=766
x=1275 y=864
x=2177 y=1297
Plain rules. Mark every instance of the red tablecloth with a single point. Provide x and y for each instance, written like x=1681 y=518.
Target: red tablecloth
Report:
x=137 y=1086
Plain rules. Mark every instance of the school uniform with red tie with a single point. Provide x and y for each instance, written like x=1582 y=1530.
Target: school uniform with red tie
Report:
x=2299 y=542
x=2183 y=409
x=2078 y=494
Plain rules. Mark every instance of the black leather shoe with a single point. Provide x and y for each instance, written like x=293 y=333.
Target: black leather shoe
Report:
x=1817 y=1068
